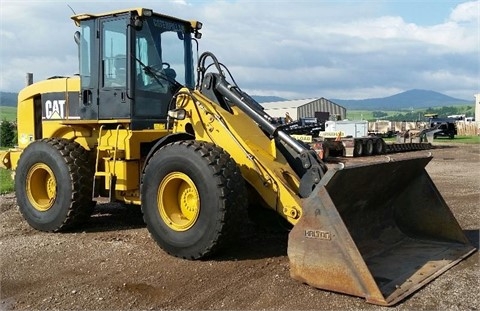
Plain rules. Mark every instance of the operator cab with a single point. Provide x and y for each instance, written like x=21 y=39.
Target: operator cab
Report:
x=132 y=62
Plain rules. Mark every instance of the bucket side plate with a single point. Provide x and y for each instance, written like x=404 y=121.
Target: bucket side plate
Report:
x=377 y=231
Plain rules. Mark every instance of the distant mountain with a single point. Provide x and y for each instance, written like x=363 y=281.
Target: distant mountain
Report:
x=8 y=99
x=410 y=99
x=267 y=99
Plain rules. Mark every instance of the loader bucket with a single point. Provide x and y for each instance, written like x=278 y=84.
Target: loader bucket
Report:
x=379 y=231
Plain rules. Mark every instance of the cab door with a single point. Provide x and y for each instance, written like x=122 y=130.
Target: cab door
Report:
x=113 y=102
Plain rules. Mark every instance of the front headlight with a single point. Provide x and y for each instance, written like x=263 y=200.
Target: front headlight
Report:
x=147 y=12
x=177 y=114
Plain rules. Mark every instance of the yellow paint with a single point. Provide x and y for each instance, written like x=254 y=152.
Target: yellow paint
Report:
x=178 y=201
x=41 y=187
x=261 y=165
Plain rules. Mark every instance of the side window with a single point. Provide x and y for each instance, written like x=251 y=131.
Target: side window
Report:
x=85 y=61
x=148 y=53
x=114 y=51
x=173 y=54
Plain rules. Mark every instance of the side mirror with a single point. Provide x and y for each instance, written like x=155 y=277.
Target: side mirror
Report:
x=138 y=23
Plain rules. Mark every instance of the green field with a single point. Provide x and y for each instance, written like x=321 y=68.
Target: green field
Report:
x=459 y=140
x=6 y=182
x=8 y=113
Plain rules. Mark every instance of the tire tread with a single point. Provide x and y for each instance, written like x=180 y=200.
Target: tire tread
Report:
x=232 y=188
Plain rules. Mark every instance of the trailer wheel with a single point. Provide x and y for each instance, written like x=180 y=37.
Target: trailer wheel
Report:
x=379 y=147
x=357 y=148
x=192 y=193
x=53 y=184
x=368 y=150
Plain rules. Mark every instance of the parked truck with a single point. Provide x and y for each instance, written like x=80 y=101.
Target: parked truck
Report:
x=354 y=137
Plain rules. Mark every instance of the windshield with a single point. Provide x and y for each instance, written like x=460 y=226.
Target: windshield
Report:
x=163 y=53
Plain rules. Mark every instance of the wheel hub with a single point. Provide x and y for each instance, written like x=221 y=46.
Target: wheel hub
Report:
x=178 y=201
x=41 y=187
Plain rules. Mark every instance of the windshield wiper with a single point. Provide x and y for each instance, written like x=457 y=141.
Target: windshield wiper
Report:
x=158 y=74
x=148 y=70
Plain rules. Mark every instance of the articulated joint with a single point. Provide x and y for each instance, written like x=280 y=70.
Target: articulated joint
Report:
x=306 y=161
x=314 y=171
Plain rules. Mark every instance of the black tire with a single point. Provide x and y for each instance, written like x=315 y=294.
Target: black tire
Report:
x=368 y=148
x=326 y=152
x=379 y=147
x=202 y=180
x=357 y=148
x=53 y=184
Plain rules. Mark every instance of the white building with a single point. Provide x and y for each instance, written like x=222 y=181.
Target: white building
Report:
x=281 y=108
x=304 y=108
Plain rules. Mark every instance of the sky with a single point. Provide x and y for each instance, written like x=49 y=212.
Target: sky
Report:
x=291 y=49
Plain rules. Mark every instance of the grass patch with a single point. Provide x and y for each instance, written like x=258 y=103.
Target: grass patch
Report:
x=459 y=140
x=8 y=113
x=6 y=181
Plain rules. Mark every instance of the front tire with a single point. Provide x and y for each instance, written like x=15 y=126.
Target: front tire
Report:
x=192 y=194
x=53 y=184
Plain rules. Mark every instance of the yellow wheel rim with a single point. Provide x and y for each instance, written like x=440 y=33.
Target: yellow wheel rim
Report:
x=178 y=201
x=41 y=187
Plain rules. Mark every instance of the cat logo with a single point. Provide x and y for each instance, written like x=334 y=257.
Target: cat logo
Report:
x=54 y=109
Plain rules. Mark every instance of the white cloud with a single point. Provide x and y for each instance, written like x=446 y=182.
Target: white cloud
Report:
x=466 y=12
x=291 y=49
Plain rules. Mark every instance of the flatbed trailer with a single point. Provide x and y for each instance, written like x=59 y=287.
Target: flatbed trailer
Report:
x=363 y=146
x=337 y=143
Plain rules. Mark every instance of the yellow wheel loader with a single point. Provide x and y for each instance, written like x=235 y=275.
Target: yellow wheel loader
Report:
x=135 y=126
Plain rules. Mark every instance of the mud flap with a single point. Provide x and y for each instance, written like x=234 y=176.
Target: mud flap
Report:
x=379 y=231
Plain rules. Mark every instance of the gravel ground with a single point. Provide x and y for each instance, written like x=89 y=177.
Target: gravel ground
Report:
x=113 y=264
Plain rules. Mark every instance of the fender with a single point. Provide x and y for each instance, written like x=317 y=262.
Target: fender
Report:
x=164 y=141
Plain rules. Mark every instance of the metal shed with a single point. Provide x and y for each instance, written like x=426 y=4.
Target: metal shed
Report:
x=304 y=108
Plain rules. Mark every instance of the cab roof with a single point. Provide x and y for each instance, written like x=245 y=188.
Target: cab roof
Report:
x=140 y=11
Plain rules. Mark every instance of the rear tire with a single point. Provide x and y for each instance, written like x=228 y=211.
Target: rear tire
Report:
x=379 y=146
x=326 y=152
x=53 y=184
x=357 y=148
x=368 y=148
x=192 y=193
